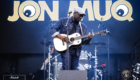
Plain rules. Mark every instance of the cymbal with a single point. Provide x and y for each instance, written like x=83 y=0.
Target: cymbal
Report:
x=97 y=44
x=46 y=42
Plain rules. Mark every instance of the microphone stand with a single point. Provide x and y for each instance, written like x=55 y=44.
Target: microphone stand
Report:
x=107 y=50
x=100 y=22
x=67 y=39
x=49 y=61
x=44 y=56
x=45 y=50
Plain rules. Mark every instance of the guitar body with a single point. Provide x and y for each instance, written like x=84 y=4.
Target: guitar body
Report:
x=75 y=40
x=61 y=46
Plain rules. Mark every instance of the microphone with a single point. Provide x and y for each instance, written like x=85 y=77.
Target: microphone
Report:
x=100 y=22
x=108 y=31
x=69 y=12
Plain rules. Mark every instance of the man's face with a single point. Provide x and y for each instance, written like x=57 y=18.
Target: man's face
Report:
x=78 y=17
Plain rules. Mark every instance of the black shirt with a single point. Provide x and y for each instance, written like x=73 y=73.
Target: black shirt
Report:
x=74 y=27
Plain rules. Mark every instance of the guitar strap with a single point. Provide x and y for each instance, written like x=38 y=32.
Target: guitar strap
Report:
x=81 y=28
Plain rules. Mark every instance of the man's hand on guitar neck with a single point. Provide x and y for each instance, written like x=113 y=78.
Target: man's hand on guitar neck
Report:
x=63 y=38
x=89 y=38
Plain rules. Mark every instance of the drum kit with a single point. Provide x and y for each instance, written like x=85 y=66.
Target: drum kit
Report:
x=85 y=60
x=136 y=71
x=136 y=66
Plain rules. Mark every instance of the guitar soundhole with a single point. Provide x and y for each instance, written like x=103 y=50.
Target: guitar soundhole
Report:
x=71 y=39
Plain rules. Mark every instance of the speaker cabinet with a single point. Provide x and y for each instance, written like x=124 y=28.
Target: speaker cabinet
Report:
x=14 y=77
x=72 y=75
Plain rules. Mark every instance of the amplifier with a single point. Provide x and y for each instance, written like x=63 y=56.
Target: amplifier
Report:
x=14 y=77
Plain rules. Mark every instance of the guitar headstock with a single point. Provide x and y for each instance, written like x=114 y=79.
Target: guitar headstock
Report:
x=104 y=32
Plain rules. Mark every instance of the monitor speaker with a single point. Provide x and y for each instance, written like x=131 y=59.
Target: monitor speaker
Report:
x=72 y=75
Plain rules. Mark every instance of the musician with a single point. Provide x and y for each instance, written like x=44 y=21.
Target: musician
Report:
x=73 y=26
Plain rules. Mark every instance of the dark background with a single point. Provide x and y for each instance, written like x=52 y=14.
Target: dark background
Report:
x=21 y=50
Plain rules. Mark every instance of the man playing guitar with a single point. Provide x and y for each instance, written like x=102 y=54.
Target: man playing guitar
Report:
x=73 y=27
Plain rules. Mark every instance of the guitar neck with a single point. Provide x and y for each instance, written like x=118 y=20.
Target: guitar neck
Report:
x=84 y=36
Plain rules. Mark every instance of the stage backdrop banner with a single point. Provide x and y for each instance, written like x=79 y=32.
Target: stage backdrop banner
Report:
x=25 y=23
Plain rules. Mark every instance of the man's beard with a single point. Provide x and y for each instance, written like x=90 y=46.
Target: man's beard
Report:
x=76 y=20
